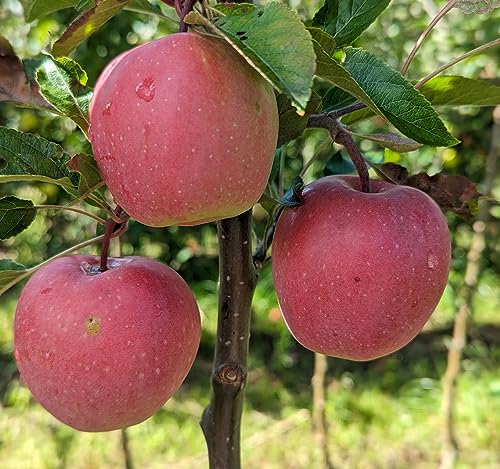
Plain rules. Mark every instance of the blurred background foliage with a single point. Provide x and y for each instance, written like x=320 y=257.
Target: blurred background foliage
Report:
x=384 y=413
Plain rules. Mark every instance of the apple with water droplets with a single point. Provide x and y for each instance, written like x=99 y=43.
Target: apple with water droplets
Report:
x=105 y=350
x=183 y=130
x=358 y=274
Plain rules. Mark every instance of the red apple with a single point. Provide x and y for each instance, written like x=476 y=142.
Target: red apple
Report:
x=102 y=351
x=183 y=130
x=358 y=274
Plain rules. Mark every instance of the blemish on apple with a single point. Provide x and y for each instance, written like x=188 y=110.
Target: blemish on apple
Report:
x=93 y=325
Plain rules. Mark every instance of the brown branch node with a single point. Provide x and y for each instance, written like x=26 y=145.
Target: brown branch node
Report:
x=230 y=373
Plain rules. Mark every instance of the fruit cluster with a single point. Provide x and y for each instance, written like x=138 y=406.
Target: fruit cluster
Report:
x=184 y=132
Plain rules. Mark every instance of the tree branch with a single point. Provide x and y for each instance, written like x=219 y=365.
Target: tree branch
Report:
x=471 y=53
x=221 y=419
x=441 y=13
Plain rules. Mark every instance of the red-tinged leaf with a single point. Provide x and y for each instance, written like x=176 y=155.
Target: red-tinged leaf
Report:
x=452 y=192
x=391 y=172
x=14 y=84
x=86 y=24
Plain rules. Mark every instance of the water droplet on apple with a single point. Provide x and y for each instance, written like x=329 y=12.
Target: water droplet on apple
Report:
x=146 y=89
x=432 y=261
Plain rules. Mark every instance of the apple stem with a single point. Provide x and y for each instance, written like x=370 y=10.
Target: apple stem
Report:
x=112 y=230
x=221 y=419
x=344 y=138
x=330 y=122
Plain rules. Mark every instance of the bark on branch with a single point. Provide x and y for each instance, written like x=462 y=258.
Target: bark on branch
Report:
x=221 y=419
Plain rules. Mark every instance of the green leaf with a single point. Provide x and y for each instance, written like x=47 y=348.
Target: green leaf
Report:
x=385 y=92
x=15 y=216
x=63 y=84
x=268 y=203
x=34 y=9
x=442 y=91
x=404 y=106
x=345 y=20
x=90 y=177
x=327 y=15
x=477 y=7
x=336 y=98
x=329 y=69
x=326 y=42
x=278 y=154
x=460 y=91
x=394 y=142
x=228 y=9
x=338 y=164
x=291 y=124
x=144 y=7
x=86 y=24
x=27 y=157
x=84 y=5
x=11 y=272
x=274 y=41
x=9 y=264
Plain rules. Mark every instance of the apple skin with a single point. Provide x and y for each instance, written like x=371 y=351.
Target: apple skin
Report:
x=105 y=351
x=183 y=131
x=358 y=274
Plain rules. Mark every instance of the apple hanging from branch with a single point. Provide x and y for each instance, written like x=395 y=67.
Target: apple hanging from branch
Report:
x=183 y=131
x=358 y=274
x=105 y=350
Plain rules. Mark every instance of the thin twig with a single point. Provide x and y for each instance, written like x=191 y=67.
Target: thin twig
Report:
x=441 y=13
x=160 y=15
x=127 y=455
x=71 y=209
x=317 y=153
x=477 y=50
x=33 y=269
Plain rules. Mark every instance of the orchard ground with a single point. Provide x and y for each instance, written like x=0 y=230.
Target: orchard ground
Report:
x=384 y=413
